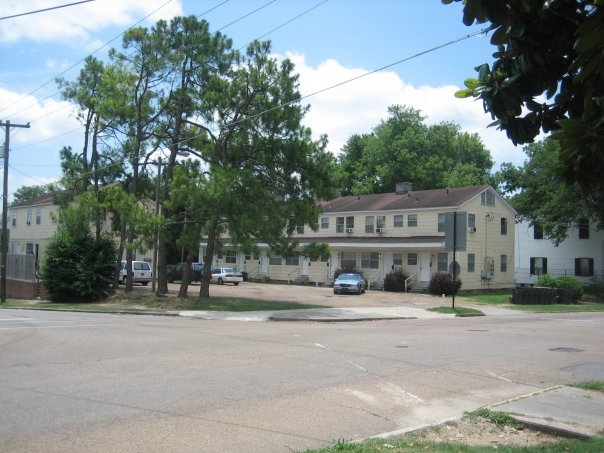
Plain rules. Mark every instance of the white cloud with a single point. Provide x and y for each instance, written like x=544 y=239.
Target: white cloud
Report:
x=358 y=106
x=75 y=23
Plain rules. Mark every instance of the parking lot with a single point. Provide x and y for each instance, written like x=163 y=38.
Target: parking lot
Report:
x=315 y=295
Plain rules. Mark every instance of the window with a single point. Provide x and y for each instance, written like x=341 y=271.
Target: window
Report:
x=397 y=259
x=256 y=256
x=584 y=267
x=274 y=260
x=38 y=216
x=471 y=220
x=487 y=198
x=538 y=266
x=537 y=231
x=369 y=222
x=370 y=260
x=471 y=262
x=584 y=229
x=398 y=221
x=292 y=260
x=349 y=224
x=411 y=259
x=504 y=226
x=339 y=224
x=29 y=248
x=247 y=257
x=231 y=257
x=412 y=220
x=14 y=222
x=441 y=222
x=503 y=263
x=300 y=229
x=380 y=223
x=324 y=223
x=29 y=216
x=443 y=262
x=348 y=260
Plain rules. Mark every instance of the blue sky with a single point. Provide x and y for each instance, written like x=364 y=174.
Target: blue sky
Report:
x=330 y=41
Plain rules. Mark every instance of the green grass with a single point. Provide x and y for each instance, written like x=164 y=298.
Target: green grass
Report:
x=598 y=386
x=141 y=302
x=504 y=299
x=410 y=444
x=498 y=418
x=456 y=310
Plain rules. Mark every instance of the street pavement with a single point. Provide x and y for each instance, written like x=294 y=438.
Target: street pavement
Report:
x=567 y=411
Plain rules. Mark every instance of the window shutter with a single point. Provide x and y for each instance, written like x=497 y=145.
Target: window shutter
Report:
x=591 y=267
x=532 y=267
x=544 y=265
x=577 y=266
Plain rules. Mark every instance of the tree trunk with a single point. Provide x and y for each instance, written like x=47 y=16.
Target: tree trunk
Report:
x=186 y=277
x=206 y=275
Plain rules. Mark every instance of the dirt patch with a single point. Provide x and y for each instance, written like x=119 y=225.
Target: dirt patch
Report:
x=481 y=431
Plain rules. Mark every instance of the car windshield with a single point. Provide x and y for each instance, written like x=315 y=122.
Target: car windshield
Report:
x=349 y=277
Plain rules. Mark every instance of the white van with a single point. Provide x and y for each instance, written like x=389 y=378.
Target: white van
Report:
x=141 y=272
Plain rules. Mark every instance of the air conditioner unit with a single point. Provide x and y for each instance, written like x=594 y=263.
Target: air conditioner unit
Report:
x=472 y=229
x=379 y=230
x=349 y=230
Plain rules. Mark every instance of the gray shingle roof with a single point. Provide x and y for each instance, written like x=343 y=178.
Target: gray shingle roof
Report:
x=421 y=199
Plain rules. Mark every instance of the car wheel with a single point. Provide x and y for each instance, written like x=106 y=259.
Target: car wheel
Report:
x=170 y=279
x=236 y=283
x=124 y=280
x=220 y=282
x=359 y=290
x=335 y=292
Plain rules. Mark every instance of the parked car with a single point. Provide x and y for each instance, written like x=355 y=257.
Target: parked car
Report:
x=141 y=272
x=176 y=271
x=349 y=283
x=222 y=275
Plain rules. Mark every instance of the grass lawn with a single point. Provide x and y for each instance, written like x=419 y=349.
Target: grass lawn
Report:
x=141 y=302
x=504 y=299
x=409 y=444
x=456 y=310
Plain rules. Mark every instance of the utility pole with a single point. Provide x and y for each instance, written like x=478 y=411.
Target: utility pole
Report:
x=7 y=126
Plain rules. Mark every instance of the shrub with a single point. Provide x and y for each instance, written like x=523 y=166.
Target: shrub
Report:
x=563 y=282
x=442 y=283
x=546 y=280
x=78 y=270
x=345 y=270
x=567 y=282
x=395 y=281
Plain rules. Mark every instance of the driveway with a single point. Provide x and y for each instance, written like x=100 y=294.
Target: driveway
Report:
x=319 y=295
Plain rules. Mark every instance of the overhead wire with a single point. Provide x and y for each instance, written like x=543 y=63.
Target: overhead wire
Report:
x=45 y=9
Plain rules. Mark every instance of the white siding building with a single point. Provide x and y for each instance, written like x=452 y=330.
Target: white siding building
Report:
x=581 y=255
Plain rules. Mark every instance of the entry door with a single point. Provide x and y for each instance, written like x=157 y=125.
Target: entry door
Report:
x=305 y=265
x=424 y=267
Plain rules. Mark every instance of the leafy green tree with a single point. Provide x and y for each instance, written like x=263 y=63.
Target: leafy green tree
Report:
x=403 y=148
x=541 y=199
x=262 y=171
x=26 y=193
x=547 y=76
x=194 y=58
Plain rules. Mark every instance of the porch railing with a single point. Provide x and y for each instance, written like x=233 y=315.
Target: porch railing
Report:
x=408 y=280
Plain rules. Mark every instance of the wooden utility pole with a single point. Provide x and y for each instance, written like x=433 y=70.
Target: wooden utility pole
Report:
x=7 y=126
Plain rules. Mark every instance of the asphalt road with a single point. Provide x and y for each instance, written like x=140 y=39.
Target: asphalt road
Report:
x=101 y=382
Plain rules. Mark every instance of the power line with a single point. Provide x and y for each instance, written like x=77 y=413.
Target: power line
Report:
x=45 y=9
x=76 y=64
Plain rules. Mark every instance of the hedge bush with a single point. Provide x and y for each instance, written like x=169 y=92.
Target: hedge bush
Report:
x=78 y=270
x=395 y=281
x=563 y=282
x=442 y=283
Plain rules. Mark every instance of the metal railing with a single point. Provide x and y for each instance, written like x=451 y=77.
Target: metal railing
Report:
x=408 y=280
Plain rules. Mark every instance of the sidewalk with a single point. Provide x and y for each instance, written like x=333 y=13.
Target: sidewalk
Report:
x=567 y=411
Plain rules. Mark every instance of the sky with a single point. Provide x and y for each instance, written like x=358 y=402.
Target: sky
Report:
x=354 y=57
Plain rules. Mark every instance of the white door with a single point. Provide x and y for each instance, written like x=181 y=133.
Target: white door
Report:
x=305 y=265
x=424 y=267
